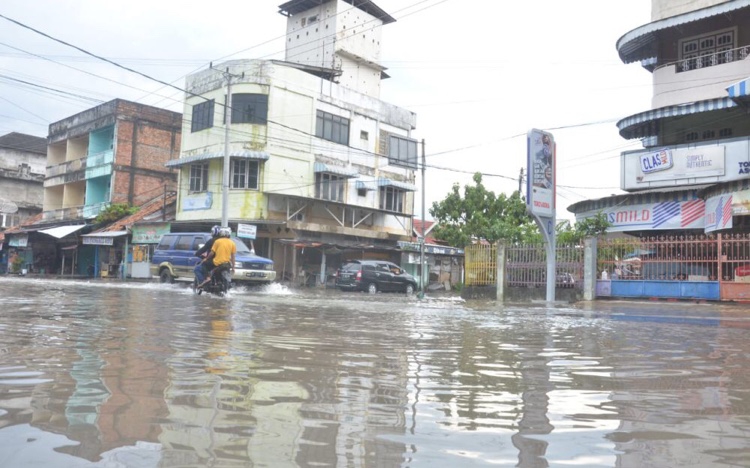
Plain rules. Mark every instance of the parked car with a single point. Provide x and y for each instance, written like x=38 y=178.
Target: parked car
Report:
x=373 y=276
x=174 y=259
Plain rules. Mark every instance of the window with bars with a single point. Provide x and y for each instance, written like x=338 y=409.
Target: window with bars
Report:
x=332 y=127
x=329 y=187
x=392 y=199
x=244 y=174
x=203 y=116
x=199 y=177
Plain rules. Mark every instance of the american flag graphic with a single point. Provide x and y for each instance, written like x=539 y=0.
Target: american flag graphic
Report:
x=726 y=212
x=717 y=214
x=692 y=211
x=663 y=212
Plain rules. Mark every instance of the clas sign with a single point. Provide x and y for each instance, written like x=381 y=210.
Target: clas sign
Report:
x=656 y=161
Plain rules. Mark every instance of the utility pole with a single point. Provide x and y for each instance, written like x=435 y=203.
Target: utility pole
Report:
x=422 y=263
x=520 y=183
x=227 y=123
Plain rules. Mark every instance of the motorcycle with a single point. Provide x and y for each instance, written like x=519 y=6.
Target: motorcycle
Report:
x=219 y=285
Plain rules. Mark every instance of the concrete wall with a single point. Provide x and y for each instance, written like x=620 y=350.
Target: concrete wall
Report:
x=661 y=9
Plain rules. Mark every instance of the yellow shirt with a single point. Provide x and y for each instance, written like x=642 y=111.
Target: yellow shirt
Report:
x=223 y=250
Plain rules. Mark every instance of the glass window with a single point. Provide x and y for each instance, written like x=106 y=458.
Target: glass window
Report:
x=198 y=177
x=392 y=199
x=184 y=243
x=332 y=128
x=203 y=116
x=402 y=151
x=244 y=173
x=329 y=187
x=250 y=108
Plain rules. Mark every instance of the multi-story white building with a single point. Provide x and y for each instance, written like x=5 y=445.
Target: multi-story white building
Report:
x=317 y=162
x=693 y=174
x=22 y=161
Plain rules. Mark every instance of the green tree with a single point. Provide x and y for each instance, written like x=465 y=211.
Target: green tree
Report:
x=480 y=214
x=588 y=227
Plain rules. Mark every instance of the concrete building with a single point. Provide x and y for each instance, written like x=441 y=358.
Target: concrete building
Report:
x=693 y=174
x=22 y=162
x=319 y=166
x=114 y=153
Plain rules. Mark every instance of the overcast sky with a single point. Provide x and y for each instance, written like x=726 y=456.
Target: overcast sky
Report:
x=478 y=73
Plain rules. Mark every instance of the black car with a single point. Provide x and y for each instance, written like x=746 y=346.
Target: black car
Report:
x=373 y=276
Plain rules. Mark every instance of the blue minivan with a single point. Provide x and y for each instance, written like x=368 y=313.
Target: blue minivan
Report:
x=174 y=260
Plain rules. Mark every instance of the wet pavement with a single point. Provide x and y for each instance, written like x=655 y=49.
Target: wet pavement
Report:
x=150 y=375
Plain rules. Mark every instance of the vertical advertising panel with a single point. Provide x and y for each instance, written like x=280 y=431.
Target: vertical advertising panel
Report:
x=540 y=184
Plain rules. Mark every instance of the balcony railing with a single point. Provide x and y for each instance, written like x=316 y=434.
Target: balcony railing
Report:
x=710 y=60
x=101 y=158
x=68 y=166
x=75 y=212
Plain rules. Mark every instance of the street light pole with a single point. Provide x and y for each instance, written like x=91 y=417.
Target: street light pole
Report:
x=225 y=179
x=422 y=265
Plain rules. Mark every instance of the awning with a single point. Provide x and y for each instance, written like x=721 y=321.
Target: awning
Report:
x=626 y=125
x=106 y=234
x=383 y=182
x=62 y=231
x=639 y=44
x=362 y=185
x=338 y=170
x=741 y=89
x=256 y=155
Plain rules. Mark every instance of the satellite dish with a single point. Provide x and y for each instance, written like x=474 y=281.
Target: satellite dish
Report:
x=7 y=206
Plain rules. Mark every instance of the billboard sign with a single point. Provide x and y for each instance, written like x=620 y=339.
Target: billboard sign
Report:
x=656 y=161
x=540 y=184
x=666 y=215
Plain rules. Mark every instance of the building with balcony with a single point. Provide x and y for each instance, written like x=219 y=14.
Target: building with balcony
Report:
x=318 y=164
x=114 y=153
x=693 y=174
x=688 y=189
x=22 y=161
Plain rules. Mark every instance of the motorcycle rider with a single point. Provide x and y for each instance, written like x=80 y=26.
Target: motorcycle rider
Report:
x=222 y=255
x=202 y=268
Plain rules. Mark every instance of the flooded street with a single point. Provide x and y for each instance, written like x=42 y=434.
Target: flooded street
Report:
x=149 y=375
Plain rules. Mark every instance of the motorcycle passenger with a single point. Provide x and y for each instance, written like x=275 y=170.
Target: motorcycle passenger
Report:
x=222 y=255
x=202 y=268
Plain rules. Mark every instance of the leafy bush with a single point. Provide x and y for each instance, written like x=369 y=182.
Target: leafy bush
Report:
x=114 y=212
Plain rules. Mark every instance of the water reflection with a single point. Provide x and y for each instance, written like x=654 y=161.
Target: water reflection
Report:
x=97 y=374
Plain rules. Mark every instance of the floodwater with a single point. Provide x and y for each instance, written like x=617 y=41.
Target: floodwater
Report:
x=149 y=375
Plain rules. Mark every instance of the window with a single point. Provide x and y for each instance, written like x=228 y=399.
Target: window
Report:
x=725 y=132
x=392 y=199
x=402 y=151
x=329 y=187
x=203 y=116
x=708 y=134
x=244 y=174
x=692 y=136
x=332 y=128
x=8 y=220
x=250 y=108
x=184 y=243
x=199 y=177
x=706 y=50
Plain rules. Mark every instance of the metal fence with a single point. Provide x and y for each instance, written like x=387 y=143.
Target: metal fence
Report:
x=480 y=264
x=526 y=266
x=720 y=257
